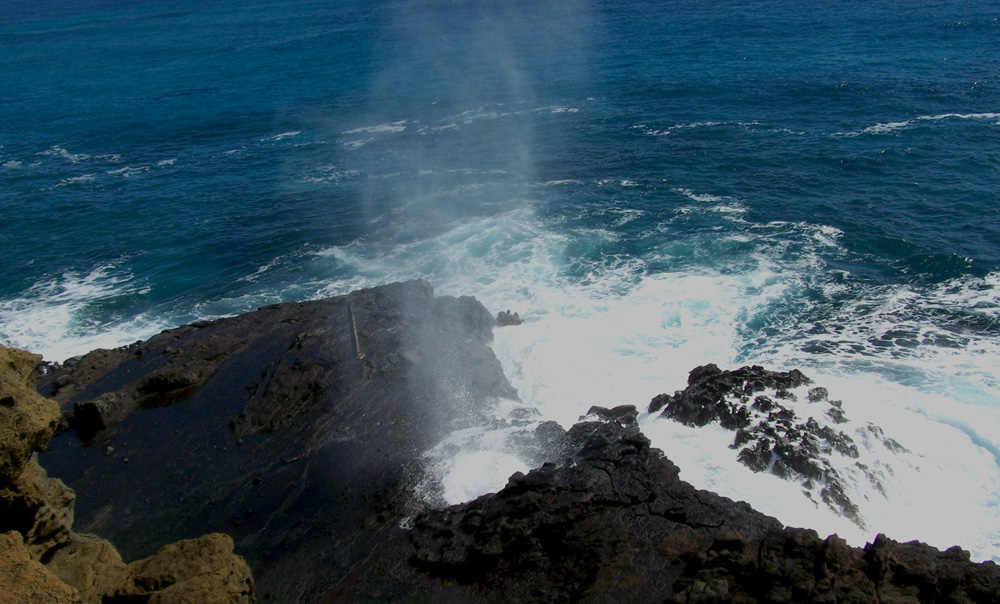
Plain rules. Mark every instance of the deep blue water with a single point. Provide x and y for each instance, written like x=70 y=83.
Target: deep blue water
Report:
x=807 y=184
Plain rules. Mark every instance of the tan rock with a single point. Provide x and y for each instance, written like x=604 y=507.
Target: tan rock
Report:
x=37 y=522
x=27 y=419
x=53 y=518
x=26 y=581
x=89 y=564
x=203 y=570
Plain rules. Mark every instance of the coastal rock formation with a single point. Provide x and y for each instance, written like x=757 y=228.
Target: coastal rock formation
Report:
x=613 y=522
x=23 y=579
x=298 y=429
x=43 y=560
x=507 y=318
x=770 y=435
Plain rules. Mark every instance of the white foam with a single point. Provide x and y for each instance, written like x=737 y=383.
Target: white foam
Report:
x=690 y=125
x=52 y=318
x=399 y=126
x=888 y=127
x=961 y=116
x=626 y=215
x=653 y=131
x=469 y=463
x=129 y=171
x=59 y=151
x=76 y=180
x=12 y=164
x=284 y=135
x=699 y=197
x=556 y=183
x=331 y=174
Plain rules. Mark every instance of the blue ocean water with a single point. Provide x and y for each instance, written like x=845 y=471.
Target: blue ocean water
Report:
x=651 y=185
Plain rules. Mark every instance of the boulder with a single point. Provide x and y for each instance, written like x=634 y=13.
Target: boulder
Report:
x=24 y=580
x=90 y=564
x=506 y=318
x=189 y=571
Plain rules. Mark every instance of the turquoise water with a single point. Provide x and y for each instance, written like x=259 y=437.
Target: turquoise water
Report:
x=651 y=185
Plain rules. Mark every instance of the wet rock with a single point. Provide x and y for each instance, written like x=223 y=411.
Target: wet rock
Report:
x=297 y=429
x=303 y=438
x=613 y=522
x=770 y=436
x=602 y=525
x=506 y=318
x=41 y=558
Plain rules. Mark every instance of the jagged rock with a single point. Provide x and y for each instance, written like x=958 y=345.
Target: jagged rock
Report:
x=27 y=420
x=770 y=437
x=298 y=429
x=612 y=522
x=304 y=441
x=24 y=580
x=506 y=318
x=38 y=507
x=90 y=564
x=192 y=570
x=601 y=525
x=53 y=517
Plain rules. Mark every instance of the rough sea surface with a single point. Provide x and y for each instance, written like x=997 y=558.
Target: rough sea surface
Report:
x=651 y=185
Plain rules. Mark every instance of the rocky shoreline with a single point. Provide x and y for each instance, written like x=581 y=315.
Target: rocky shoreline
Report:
x=298 y=431
x=44 y=560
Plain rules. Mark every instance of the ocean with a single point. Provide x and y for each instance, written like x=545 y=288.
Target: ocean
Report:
x=652 y=186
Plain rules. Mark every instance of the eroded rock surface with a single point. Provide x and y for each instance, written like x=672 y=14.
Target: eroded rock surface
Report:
x=297 y=429
x=771 y=436
x=42 y=560
x=613 y=522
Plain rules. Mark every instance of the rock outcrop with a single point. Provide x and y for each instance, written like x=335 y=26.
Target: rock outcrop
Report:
x=300 y=430
x=613 y=522
x=43 y=560
x=506 y=318
x=771 y=436
x=24 y=580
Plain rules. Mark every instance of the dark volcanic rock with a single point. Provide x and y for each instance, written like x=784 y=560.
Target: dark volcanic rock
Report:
x=506 y=318
x=613 y=523
x=605 y=523
x=297 y=429
x=770 y=436
x=42 y=559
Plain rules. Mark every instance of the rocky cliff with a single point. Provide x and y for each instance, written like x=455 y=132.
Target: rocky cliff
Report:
x=300 y=430
x=42 y=559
